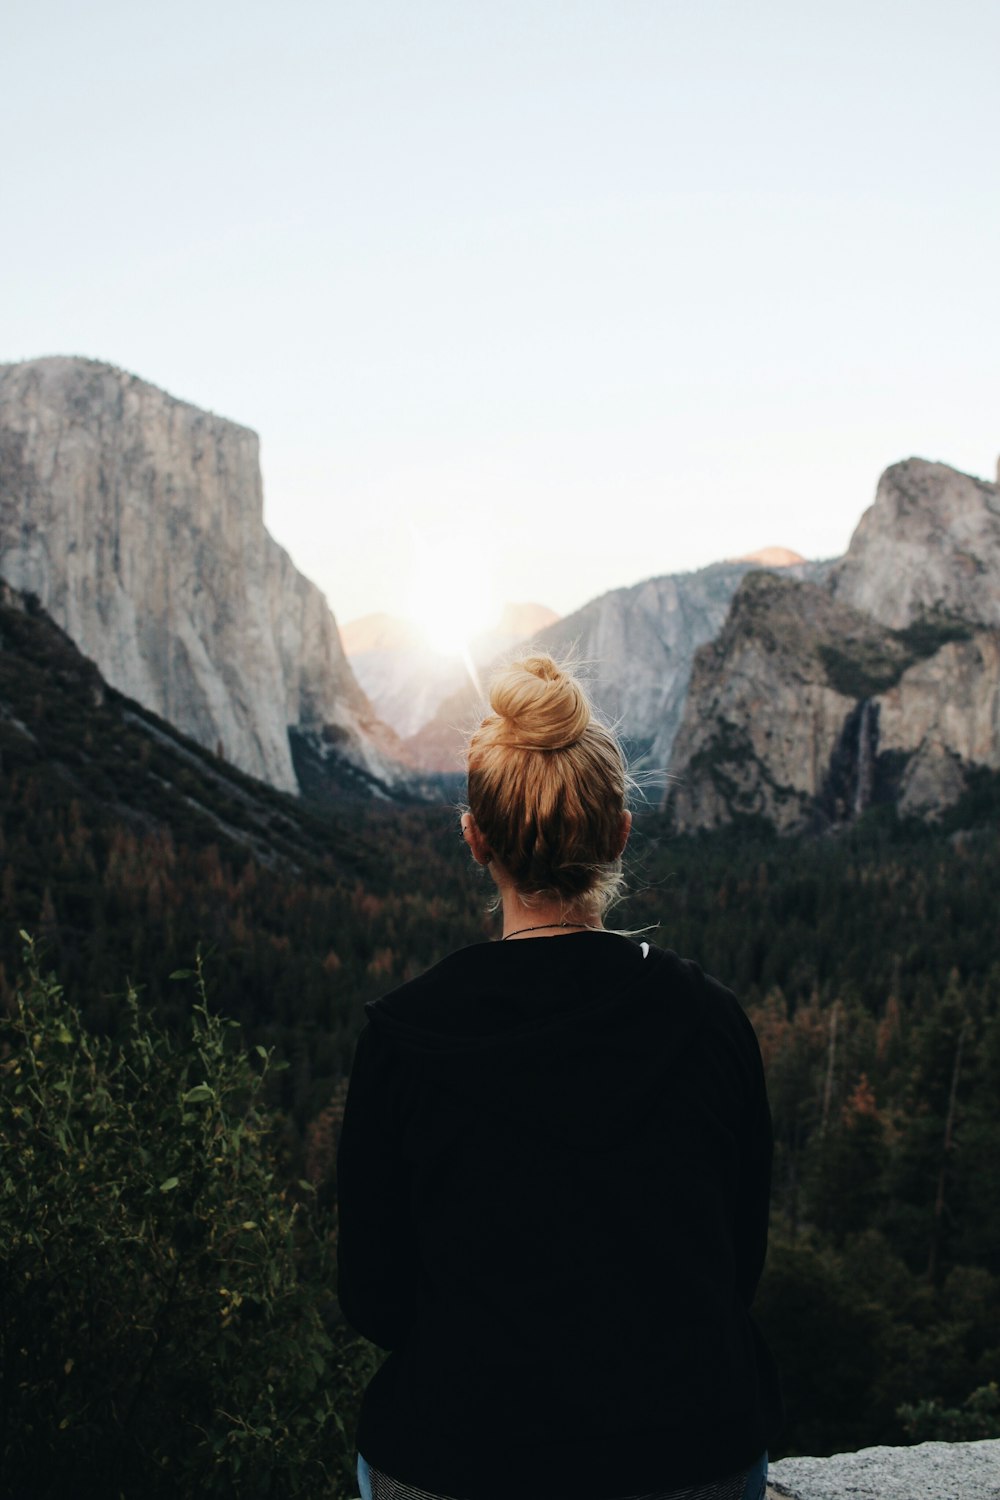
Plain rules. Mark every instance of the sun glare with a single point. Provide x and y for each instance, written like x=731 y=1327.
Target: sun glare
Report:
x=451 y=596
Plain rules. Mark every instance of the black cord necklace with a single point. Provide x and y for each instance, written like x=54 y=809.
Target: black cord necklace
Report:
x=542 y=926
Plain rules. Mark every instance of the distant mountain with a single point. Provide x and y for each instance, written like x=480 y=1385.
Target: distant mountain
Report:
x=407 y=680
x=137 y=521
x=519 y=621
x=772 y=557
x=634 y=646
x=880 y=686
x=764 y=686
x=378 y=632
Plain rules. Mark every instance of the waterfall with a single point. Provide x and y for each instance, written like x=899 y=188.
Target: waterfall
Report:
x=864 y=777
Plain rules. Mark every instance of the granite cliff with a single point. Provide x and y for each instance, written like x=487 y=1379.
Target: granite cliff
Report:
x=137 y=521
x=882 y=685
x=929 y=546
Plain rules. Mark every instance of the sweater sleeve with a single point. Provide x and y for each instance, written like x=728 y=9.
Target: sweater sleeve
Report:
x=376 y=1266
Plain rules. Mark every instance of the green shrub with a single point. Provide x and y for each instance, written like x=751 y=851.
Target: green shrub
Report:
x=167 y=1323
x=977 y=1417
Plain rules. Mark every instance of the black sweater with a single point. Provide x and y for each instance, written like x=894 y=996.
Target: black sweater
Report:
x=553 y=1179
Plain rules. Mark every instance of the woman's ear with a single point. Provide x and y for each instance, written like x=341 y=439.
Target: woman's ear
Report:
x=626 y=830
x=481 y=851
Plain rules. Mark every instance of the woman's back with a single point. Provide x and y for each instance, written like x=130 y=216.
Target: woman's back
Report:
x=554 y=1182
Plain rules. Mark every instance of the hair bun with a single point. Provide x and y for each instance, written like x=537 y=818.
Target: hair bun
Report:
x=542 y=707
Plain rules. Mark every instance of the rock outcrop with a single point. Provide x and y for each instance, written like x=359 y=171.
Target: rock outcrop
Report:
x=804 y=711
x=768 y=706
x=930 y=1471
x=942 y=719
x=929 y=547
x=137 y=521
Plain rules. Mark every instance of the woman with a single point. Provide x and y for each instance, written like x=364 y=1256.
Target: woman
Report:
x=554 y=1170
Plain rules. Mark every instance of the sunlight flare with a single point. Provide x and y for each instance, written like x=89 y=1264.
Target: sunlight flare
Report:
x=451 y=598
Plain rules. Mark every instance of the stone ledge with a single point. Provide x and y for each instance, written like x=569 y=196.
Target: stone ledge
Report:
x=927 y=1471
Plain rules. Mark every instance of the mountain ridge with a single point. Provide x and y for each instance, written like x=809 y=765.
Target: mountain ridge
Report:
x=117 y=757
x=136 y=518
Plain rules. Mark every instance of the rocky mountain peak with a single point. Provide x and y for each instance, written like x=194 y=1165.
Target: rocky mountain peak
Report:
x=772 y=557
x=378 y=632
x=929 y=545
x=811 y=703
x=519 y=621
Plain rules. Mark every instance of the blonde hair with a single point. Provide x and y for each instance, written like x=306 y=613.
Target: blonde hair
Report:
x=547 y=785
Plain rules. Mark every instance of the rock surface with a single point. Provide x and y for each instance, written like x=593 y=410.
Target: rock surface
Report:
x=768 y=708
x=944 y=715
x=883 y=685
x=928 y=1471
x=137 y=520
x=930 y=545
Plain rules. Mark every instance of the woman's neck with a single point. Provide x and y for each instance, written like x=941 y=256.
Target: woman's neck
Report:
x=546 y=919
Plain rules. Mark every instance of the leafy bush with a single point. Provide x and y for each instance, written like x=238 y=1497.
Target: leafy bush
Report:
x=977 y=1417
x=167 y=1323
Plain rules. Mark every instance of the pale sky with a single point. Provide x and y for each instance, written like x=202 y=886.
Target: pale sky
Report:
x=584 y=292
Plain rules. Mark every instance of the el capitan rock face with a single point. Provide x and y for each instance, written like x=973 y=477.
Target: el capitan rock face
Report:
x=137 y=521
